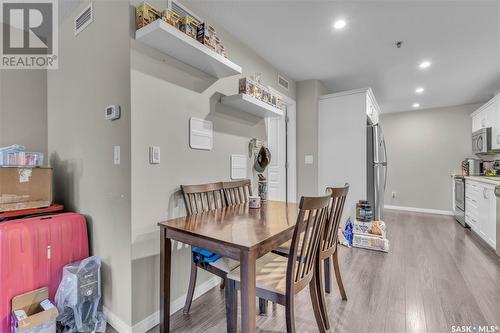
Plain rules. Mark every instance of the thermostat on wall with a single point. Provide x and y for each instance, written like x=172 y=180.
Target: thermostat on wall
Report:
x=112 y=112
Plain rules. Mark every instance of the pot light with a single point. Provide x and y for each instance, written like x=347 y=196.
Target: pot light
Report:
x=424 y=64
x=416 y=105
x=419 y=90
x=339 y=24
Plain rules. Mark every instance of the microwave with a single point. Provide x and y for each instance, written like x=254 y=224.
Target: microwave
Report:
x=481 y=141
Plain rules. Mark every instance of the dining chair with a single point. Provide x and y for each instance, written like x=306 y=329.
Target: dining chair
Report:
x=198 y=199
x=237 y=192
x=279 y=279
x=203 y=198
x=328 y=250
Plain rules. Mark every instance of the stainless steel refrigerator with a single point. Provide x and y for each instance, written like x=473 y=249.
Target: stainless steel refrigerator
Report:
x=376 y=169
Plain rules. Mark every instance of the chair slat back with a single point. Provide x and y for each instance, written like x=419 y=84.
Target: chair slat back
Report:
x=306 y=239
x=237 y=192
x=338 y=195
x=202 y=198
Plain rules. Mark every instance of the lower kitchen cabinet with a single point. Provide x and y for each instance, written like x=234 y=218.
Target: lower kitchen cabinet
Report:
x=481 y=210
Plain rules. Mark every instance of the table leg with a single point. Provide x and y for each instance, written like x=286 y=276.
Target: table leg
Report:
x=165 y=255
x=248 y=313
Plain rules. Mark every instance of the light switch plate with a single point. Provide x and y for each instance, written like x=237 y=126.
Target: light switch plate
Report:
x=308 y=159
x=116 y=155
x=154 y=155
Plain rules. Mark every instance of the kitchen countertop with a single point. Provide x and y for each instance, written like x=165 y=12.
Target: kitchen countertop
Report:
x=485 y=179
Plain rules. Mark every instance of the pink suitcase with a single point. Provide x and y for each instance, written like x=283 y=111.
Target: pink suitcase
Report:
x=33 y=252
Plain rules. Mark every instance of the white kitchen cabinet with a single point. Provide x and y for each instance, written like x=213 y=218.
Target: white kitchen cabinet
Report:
x=481 y=210
x=372 y=109
x=488 y=115
x=342 y=143
x=476 y=121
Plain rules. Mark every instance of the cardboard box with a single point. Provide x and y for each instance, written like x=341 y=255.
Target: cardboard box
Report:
x=373 y=228
x=370 y=242
x=33 y=312
x=25 y=188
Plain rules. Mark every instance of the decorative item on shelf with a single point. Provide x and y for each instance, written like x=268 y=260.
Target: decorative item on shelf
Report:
x=280 y=104
x=172 y=18
x=252 y=86
x=145 y=14
x=206 y=35
x=190 y=26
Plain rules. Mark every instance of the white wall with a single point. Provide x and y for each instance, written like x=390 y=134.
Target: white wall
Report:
x=94 y=71
x=423 y=148
x=23 y=108
x=308 y=93
x=342 y=146
x=165 y=94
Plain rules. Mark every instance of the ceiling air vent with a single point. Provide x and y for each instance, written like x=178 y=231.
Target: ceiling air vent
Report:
x=181 y=10
x=84 y=19
x=283 y=82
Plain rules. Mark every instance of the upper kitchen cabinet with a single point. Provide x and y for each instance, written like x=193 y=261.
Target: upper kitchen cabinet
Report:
x=372 y=109
x=486 y=116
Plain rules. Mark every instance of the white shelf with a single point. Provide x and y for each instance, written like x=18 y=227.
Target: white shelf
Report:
x=250 y=104
x=173 y=42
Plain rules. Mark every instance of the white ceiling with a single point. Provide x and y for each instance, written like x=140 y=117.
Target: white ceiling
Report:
x=461 y=38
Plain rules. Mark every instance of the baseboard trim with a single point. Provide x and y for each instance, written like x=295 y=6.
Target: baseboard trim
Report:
x=154 y=319
x=115 y=321
x=420 y=210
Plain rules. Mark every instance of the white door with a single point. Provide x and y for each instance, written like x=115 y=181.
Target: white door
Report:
x=282 y=169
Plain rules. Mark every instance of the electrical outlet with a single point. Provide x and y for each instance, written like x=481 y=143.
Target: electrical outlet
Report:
x=394 y=195
x=308 y=159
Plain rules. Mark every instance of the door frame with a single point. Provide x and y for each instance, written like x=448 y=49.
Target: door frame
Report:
x=290 y=148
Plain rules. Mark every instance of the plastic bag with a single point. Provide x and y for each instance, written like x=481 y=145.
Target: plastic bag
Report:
x=78 y=297
x=348 y=232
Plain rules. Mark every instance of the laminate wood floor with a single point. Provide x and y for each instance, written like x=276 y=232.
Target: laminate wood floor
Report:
x=436 y=275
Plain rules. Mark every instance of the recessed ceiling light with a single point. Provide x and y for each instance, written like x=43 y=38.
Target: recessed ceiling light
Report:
x=419 y=90
x=339 y=24
x=416 y=105
x=424 y=64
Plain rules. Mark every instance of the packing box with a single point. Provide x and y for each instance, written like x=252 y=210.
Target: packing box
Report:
x=33 y=312
x=25 y=188
x=374 y=228
x=370 y=242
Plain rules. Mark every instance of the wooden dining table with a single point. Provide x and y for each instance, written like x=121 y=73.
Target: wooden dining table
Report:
x=237 y=232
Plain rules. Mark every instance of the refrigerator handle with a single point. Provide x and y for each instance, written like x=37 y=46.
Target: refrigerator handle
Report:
x=385 y=150
x=385 y=178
